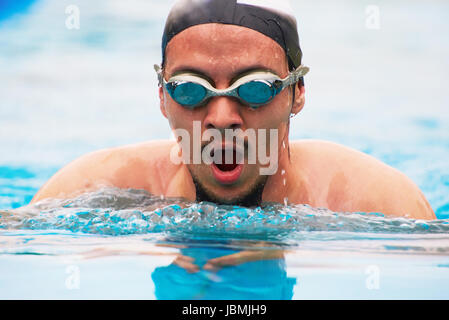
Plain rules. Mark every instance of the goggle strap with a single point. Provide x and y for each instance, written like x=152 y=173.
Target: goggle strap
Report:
x=296 y=75
x=158 y=70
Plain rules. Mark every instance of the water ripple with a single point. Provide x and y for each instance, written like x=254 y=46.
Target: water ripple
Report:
x=119 y=212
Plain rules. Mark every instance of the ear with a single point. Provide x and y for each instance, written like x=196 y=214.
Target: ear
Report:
x=162 y=102
x=299 y=102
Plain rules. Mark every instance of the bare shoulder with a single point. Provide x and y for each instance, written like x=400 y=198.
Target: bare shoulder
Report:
x=344 y=179
x=135 y=166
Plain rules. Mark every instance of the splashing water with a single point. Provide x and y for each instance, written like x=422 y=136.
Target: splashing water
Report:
x=119 y=212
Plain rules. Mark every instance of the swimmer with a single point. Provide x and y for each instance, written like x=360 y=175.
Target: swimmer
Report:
x=237 y=65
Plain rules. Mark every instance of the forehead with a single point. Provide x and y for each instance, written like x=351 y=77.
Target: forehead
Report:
x=220 y=48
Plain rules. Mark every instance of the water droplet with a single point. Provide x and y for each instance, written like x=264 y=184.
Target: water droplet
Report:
x=285 y=201
x=285 y=182
x=282 y=172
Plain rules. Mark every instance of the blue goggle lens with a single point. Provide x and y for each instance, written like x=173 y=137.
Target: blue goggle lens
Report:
x=256 y=92
x=188 y=94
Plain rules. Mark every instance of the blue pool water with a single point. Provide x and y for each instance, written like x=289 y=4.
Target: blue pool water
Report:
x=10 y=8
x=64 y=93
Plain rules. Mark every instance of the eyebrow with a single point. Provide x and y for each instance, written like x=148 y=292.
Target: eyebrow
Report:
x=237 y=75
x=249 y=70
x=196 y=72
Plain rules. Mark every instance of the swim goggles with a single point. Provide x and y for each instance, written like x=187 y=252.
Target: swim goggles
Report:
x=254 y=90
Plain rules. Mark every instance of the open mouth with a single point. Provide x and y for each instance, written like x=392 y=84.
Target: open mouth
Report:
x=227 y=171
x=226 y=166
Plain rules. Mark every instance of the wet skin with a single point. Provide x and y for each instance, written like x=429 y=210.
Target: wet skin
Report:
x=318 y=173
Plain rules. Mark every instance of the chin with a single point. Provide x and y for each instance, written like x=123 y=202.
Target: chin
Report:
x=227 y=198
x=245 y=195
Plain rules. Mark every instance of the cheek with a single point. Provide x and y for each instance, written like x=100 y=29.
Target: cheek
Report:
x=283 y=105
x=274 y=115
x=180 y=117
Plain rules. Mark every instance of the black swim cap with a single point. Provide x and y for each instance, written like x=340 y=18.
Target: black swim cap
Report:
x=265 y=16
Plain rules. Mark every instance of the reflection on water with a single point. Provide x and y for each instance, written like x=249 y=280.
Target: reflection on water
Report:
x=206 y=251
x=163 y=266
x=209 y=273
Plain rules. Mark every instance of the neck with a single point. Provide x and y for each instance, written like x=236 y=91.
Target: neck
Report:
x=285 y=186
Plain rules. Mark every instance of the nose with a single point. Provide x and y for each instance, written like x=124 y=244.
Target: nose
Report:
x=223 y=113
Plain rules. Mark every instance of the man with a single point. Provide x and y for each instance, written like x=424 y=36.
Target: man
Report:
x=236 y=66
